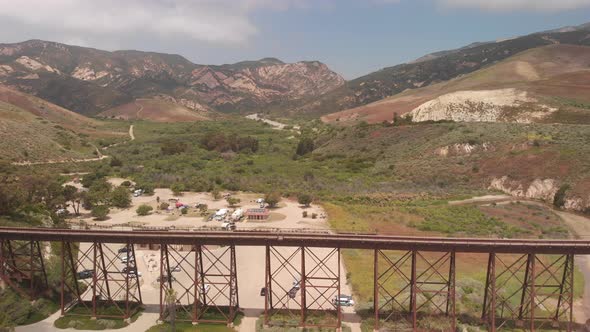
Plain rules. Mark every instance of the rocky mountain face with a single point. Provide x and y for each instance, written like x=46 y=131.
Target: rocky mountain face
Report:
x=438 y=67
x=90 y=81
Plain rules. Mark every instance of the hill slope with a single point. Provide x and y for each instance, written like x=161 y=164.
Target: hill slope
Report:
x=90 y=81
x=34 y=130
x=436 y=68
x=545 y=84
x=158 y=110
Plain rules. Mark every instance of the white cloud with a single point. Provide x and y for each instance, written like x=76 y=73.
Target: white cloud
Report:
x=511 y=5
x=219 y=21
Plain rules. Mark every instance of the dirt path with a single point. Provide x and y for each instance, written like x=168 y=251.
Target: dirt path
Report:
x=99 y=154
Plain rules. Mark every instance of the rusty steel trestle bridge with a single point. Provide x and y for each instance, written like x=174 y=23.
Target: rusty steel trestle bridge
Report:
x=529 y=283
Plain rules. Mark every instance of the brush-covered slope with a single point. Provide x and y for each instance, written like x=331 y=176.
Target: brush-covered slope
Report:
x=34 y=130
x=90 y=81
x=158 y=110
x=436 y=68
x=545 y=84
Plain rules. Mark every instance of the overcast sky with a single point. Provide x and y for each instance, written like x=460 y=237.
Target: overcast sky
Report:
x=354 y=37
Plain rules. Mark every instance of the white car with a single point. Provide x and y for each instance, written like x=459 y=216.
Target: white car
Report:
x=125 y=258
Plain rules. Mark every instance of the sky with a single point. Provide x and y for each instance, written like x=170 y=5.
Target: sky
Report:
x=353 y=37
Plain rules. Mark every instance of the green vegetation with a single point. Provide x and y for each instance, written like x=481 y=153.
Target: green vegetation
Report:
x=78 y=322
x=189 y=327
x=272 y=199
x=304 y=199
x=100 y=212
x=144 y=210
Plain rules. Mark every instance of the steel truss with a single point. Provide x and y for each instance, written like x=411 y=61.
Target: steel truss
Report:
x=204 y=281
x=412 y=284
x=542 y=298
x=302 y=285
x=96 y=283
x=22 y=267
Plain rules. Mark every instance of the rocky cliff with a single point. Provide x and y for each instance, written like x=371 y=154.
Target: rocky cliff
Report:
x=90 y=81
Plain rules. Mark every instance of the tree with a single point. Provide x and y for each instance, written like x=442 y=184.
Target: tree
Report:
x=121 y=197
x=177 y=188
x=560 y=196
x=100 y=212
x=232 y=201
x=170 y=299
x=99 y=193
x=305 y=146
x=272 y=199
x=144 y=210
x=216 y=194
x=304 y=199
x=72 y=195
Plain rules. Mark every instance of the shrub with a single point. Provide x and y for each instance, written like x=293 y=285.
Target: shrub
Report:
x=216 y=194
x=126 y=183
x=314 y=215
x=232 y=201
x=272 y=199
x=304 y=214
x=304 y=199
x=144 y=210
x=121 y=197
x=305 y=146
x=184 y=210
x=560 y=195
x=164 y=206
x=100 y=212
x=177 y=188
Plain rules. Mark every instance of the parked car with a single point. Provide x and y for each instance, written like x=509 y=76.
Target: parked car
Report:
x=165 y=279
x=207 y=287
x=229 y=226
x=129 y=269
x=297 y=283
x=134 y=274
x=124 y=250
x=263 y=291
x=125 y=258
x=343 y=301
x=176 y=269
x=86 y=274
x=293 y=292
x=138 y=193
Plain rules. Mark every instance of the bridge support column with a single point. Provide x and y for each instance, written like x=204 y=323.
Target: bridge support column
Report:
x=317 y=277
x=211 y=293
x=530 y=291
x=23 y=267
x=411 y=282
x=95 y=284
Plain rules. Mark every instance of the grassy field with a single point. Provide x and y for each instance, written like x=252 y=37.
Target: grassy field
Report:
x=87 y=323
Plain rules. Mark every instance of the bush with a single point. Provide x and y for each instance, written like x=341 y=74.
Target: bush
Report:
x=164 y=206
x=272 y=199
x=232 y=201
x=184 y=210
x=216 y=194
x=126 y=183
x=304 y=214
x=304 y=199
x=560 y=195
x=305 y=146
x=144 y=210
x=121 y=197
x=314 y=215
x=177 y=188
x=100 y=212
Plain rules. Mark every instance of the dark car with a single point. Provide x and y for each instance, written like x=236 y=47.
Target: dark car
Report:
x=165 y=279
x=124 y=250
x=263 y=291
x=293 y=292
x=86 y=274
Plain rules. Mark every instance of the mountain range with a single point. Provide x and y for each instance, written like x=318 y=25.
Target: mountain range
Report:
x=167 y=87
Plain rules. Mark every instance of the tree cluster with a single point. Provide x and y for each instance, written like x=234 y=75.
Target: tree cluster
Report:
x=221 y=142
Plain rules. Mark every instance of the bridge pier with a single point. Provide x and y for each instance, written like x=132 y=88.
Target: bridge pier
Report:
x=413 y=282
x=529 y=291
x=95 y=284
x=314 y=273
x=208 y=289
x=22 y=267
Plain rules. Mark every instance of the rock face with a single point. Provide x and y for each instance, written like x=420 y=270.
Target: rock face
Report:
x=481 y=106
x=462 y=149
x=90 y=81
x=539 y=189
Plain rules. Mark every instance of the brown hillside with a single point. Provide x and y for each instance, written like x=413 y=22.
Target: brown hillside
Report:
x=556 y=75
x=155 y=110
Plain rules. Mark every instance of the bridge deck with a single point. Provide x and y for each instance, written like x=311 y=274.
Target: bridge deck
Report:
x=296 y=239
